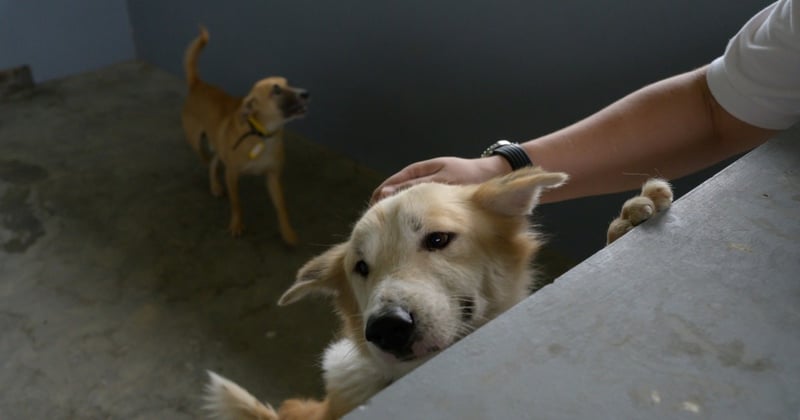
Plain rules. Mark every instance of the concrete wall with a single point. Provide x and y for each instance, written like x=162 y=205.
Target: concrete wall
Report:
x=59 y=38
x=396 y=82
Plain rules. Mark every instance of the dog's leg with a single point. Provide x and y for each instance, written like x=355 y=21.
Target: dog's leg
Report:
x=276 y=194
x=195 y=136
x=656 y=196
x=297 y=409
x=213 y=176
x=225 y=400
x=232 y=182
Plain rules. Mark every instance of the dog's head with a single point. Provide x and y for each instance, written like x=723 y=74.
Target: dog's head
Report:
x=429 y=265
x=272 y=102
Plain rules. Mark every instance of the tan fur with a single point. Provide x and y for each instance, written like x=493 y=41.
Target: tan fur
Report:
x=482 y=269
x=211 y=115
x=656 y=196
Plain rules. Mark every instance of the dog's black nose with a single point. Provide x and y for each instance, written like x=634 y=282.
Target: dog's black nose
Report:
x=391 y=330
x=303 y=94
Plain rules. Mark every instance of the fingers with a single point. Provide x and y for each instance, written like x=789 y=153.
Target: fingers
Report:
x=380 y=193
x=388 y=190
x=408 y=176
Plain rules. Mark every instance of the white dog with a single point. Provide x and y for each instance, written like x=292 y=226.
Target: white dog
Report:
x=421 y=270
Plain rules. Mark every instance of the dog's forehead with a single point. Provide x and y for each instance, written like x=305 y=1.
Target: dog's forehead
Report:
x=423 y=207
x=267 y=84
x=271 y=81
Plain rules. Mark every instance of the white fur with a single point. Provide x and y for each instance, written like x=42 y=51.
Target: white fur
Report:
x=227 y=401
x=266 y=159
x=351 y=376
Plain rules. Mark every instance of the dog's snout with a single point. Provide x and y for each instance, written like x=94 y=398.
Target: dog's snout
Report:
x=304 y=94
x=391 y=330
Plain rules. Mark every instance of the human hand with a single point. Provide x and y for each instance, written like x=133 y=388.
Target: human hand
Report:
x=446 y=170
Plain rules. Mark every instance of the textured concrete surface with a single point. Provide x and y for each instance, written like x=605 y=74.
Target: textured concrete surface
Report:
x=119 y=284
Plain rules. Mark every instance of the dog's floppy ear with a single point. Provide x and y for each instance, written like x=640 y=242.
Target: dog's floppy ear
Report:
x=320 y=275
x=517 y=193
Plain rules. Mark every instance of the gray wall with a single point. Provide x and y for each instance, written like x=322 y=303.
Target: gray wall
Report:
x=396 y=82
x=58 y=38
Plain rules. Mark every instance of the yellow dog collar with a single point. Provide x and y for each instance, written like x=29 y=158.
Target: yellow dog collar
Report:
x=256 y=125
x=256 y=129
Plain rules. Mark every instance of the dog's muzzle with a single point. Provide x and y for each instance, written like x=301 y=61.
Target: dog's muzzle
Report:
x=298 y=105
x=391 y=331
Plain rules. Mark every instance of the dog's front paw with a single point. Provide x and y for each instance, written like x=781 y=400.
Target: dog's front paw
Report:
x=289 y=237
x=659 y=191
x=236 y=227
x=297 y=409
x=656 y=196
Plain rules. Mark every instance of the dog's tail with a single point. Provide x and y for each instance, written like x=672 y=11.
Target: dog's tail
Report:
x=227 y=401
x=190 y=58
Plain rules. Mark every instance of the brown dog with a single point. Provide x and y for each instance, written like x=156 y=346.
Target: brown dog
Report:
x=244 y=134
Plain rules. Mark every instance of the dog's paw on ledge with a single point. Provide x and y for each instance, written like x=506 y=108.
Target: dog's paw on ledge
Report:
x=656 y=196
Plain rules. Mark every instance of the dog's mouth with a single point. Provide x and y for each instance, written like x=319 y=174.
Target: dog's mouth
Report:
x=422 y=349
x=295 y=110
x=298 y=110
x=418 y=350
x=413 y=354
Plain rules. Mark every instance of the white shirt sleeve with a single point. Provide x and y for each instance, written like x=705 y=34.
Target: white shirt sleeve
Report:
x=757 y=80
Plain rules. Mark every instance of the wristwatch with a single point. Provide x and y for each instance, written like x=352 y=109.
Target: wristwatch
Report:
x=512 y=152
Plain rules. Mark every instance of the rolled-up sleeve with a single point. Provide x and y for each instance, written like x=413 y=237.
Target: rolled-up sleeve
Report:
x=757 y=80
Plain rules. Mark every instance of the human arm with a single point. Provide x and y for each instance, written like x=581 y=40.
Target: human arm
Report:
x=669 y=129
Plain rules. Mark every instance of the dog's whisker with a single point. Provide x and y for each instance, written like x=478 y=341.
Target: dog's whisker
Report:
x=465 y=329
x=356 y=317
x=480 y=321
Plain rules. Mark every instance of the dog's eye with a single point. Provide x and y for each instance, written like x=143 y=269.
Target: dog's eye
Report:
x=437 y=240
x=361 y=268
x=276 y=90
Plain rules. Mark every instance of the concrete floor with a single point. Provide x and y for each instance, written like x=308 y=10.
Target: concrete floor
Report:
x=119 y=284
